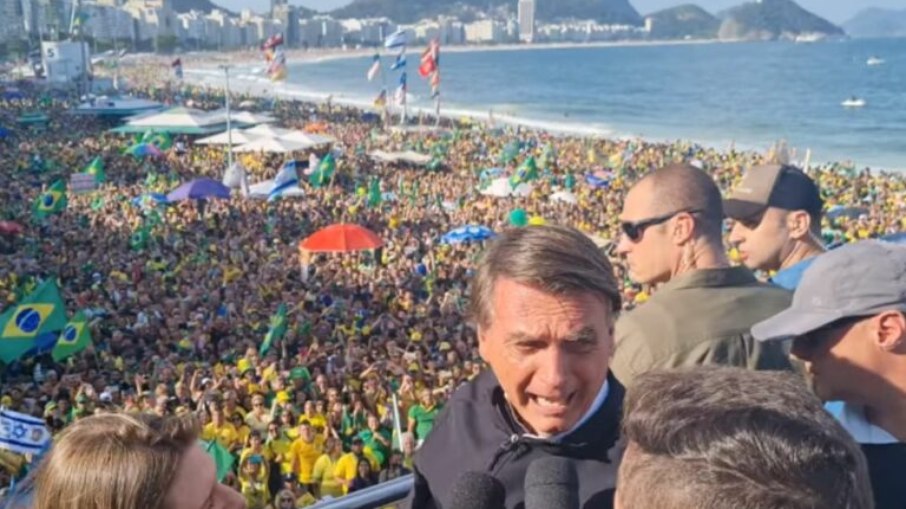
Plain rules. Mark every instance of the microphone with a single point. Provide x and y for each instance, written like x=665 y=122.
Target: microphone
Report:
x=477 y=490
x=552 y=483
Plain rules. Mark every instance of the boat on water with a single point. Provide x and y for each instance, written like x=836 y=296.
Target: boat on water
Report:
x=874 y=61
x=853 y=102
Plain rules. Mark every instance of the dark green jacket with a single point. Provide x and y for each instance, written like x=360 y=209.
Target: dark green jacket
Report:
x=700 y=318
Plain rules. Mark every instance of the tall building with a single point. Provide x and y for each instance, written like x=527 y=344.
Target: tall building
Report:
x=275 y=4
x=527 y=20
x=288 y=16
x=12 y=20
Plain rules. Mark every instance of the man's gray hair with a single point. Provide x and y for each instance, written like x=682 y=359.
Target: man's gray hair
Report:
x=554 y=259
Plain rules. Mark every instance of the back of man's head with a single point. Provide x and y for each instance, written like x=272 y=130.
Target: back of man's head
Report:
x=685 y=187
x=729 y=438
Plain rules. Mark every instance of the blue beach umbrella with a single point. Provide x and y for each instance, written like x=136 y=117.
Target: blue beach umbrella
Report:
x=468 y=233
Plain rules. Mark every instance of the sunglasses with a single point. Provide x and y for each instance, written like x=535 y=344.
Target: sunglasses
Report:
x=820 y=337
x=633 y=230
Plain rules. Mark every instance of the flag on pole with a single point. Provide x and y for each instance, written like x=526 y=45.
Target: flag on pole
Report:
x=22 y=434
x=381 y=100
x=96 y=168
x=177 y=68
x=74 y=338
x=375 y=68
x=401 y=90
x=399 y=63
x=51 y=201
x=276 y=331
x=396 y=39
x=40 y=313
x=430 y=59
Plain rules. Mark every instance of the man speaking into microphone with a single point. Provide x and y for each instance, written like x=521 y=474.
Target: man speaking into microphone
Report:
x=543 y=300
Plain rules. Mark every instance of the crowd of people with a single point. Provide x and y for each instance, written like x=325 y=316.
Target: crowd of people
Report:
x=377 y=341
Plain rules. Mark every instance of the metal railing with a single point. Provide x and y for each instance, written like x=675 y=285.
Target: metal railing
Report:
x=381 y=495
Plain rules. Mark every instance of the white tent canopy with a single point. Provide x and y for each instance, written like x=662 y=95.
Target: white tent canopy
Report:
x=408 y=156
x=240 y=137
x=565 y=197
x=244 y=117
x=269 y=131
x=313 y=139
x=271 y=145
x=501 y=188
x=176 y=117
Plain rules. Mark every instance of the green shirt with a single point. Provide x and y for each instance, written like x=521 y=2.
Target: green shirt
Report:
x=424 y=419
x=378 y=449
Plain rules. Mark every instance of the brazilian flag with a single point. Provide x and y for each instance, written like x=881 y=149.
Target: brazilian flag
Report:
x=139 y=239
x=374 y=193
x=40 y=313
x=527 y=172
x=74 y=338
x=51 y=201
x=276 y=331
x=321 y=176
x=223 y=460
x=96 y=168
x=161 y=140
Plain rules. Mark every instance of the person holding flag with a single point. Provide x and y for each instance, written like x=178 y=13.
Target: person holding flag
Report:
x=74 y=338
x=38 y=317
x=96 y=168
x=51 y=201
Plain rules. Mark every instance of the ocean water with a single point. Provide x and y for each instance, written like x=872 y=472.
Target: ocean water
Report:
x=748 y=94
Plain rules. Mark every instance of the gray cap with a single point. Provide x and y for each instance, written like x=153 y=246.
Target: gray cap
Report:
x=858 y=279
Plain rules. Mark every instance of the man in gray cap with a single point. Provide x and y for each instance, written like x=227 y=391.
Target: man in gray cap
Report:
x=776 y=212
x=848 y=324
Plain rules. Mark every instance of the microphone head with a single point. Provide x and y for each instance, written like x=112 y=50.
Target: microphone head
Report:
x=552 y=483
x=477 y=490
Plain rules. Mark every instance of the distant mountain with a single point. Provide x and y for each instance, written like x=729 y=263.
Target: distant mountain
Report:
x=207 y=6
x=877 y=23
x=773 y=19
x=410 y=11
x=684 y=21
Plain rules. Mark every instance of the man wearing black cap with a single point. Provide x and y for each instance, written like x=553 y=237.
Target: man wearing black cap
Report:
x=848 y=321
x=777 y=221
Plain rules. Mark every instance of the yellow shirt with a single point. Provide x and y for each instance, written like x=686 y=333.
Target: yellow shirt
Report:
x=265 y=453
x=281 y=447
x=348 y=466
x=325 y=475
x=254 y=488
x=226 y=435
x=305 y=454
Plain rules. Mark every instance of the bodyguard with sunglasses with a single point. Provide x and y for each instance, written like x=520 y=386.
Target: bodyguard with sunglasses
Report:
x=703 y=309
x=848 y=321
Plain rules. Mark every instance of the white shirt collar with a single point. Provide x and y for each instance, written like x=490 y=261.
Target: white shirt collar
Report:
x=854 y=421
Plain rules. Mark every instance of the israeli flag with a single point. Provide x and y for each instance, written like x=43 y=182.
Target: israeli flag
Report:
x=396 y=39
x=400 y=62
x=22 y=433
x=280 y=189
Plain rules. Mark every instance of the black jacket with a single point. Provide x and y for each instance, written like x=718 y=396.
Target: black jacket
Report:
x=476 y=432
x=887 y=466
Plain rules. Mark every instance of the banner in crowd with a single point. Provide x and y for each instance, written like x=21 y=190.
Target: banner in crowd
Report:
x=82 y=183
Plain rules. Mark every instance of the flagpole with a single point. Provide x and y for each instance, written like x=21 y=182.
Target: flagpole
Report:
x=405 y=91
x=229 y=124
x=384 y=89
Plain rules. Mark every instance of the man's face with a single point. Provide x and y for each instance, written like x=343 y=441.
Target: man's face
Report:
x=838 y=358
x=763 y=240
x=550 y=353
x=647 y=257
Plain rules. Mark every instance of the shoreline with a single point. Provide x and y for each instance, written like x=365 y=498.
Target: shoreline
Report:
x=298 y=56
x=245 y=80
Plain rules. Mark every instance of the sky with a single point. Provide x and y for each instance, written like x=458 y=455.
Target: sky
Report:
x=837 y=11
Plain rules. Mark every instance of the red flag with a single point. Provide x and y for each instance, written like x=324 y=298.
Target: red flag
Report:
x=429 y=65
